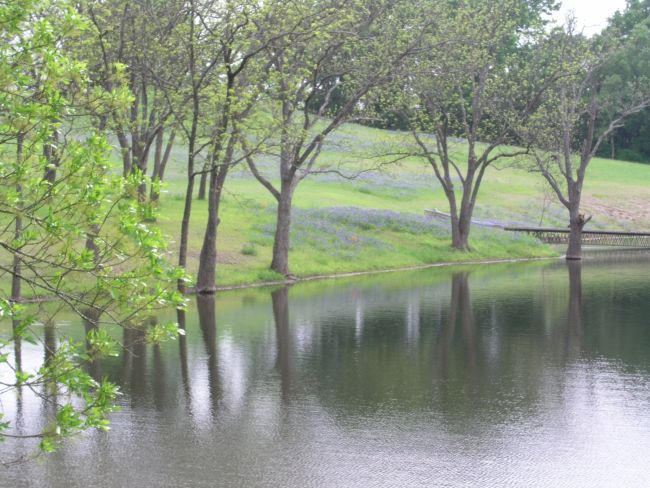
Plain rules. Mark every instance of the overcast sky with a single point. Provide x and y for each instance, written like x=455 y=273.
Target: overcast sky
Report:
x=591 y=14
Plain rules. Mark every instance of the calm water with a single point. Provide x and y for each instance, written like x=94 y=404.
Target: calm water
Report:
x=526 y=375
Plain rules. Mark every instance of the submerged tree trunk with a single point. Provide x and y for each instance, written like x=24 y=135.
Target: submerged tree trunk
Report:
x=575 y=295
x=182 y=351
x=90 y=318
x=574 y=314
x=577 y=223
x=460 y=284
x=281 y=243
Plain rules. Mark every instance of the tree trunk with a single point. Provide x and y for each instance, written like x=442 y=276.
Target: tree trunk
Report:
x=51 y=157
x=461 y=219
x=158 y=174
x=202 y=184
x=16 y=267
x=168 y=151
x=206 y=282
x=18 y=346
x=280 y=262
x=16 y=280
x=157 y=161
x=49 y=342
x=91 y=245
x=125 y=149
x=460 y=228
x=185 y=225
x=576 y=224
x=141 y=164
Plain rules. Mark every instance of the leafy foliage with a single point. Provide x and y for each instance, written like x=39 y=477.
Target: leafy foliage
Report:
x=70 y=229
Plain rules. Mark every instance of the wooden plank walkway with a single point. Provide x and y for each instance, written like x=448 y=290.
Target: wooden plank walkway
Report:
x=611 y=238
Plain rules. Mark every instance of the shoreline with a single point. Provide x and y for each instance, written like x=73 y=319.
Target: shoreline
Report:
x=333 y=276
x=296 y=280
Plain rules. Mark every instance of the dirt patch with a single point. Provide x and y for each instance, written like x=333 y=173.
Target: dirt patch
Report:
x=230 y=258
x=633 y=211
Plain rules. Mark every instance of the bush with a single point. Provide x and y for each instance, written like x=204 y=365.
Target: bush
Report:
x=249 y=249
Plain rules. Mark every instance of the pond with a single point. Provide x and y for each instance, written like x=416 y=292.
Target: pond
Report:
x=522 y=374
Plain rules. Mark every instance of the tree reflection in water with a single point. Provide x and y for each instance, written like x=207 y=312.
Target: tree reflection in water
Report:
x=182 y=352
x=280 y=300
x=575 y=340
x=208 y=322
x=460 y=309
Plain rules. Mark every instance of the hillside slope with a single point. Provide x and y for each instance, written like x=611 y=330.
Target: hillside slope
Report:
x=376 y=220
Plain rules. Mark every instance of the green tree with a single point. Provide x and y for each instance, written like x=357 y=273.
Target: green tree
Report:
x=586 y=103
x=350 y=47
x=133 y=46
x=475 y=79
x=632 y=26
x=46 y=216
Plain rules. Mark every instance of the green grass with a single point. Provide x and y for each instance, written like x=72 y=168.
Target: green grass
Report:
x=375 y=221
x=245 y=237
x=615 y=194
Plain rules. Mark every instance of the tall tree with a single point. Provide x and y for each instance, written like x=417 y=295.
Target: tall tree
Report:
x=220 y=43
x=133 y=46
x=236 y=91
x=475 y=79
x=331 y=46
x=585 y=104
x=632 y=141
x=45 y=217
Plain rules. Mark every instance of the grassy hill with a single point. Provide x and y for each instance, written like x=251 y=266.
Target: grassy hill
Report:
x=377 y=221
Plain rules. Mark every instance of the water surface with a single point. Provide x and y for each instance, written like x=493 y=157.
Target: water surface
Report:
x=532 y=375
